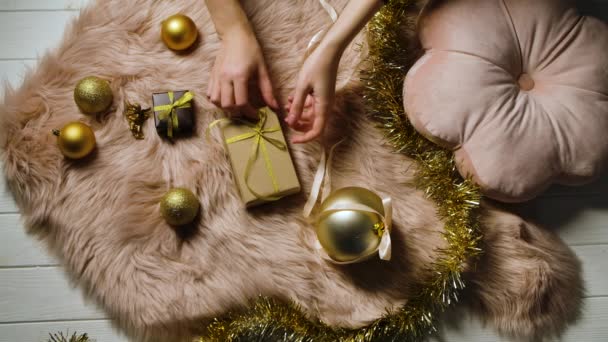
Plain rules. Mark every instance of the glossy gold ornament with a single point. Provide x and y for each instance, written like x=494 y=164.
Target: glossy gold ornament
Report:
x=93 y=95
x=179 y=32
x=179 y=207
x=348 y=235
x=75 y=140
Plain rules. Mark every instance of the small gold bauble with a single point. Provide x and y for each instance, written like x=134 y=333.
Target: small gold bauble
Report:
x=93 y=95
x=347 y=235
x=75 y=140
x=179 y=207
x=179 y=32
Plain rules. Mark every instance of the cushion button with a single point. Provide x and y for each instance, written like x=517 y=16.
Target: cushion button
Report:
x=526 y=83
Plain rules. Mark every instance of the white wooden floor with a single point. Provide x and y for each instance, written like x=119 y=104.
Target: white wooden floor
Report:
x=35 y=298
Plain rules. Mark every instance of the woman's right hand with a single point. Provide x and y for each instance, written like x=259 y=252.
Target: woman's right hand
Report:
x=239 y=64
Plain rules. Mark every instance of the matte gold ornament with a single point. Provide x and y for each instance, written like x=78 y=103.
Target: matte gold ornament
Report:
x=179 y=207
x=93 y=95
x=347 y=235
x=75 y=140
x=179 y=32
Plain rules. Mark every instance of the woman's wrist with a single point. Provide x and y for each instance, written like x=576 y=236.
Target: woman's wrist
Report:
x=332 y=48
x=237 y=30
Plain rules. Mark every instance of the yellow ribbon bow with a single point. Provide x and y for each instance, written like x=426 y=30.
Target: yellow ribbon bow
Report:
x=259 y=134
x=168 y=111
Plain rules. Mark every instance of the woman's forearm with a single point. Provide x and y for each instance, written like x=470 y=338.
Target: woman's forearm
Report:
x=352 y=19
x=228 y=17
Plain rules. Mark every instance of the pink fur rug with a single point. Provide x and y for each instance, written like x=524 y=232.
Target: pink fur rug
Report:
x=100 y=217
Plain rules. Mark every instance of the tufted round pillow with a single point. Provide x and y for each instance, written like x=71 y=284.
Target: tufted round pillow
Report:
x=518 y=88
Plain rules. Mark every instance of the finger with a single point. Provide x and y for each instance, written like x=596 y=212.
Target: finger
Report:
x=266 y=88
x=316 y=130
x=210 y=86
x=227 y=95
x=297 y=106
x=213 y=83
x=308 y=115
x=309 y=101
x=216 y=92
x=303 y=126
x=241 y=94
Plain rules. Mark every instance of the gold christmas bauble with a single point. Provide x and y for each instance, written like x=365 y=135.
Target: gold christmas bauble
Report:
x=179 y=32
x=93 y=95
x=179 y=206
x=75 y=140
x=347 y=235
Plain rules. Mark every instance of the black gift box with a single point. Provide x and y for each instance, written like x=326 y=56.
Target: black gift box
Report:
x=184 y=114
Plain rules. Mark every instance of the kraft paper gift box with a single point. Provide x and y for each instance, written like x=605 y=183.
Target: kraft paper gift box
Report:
x=261 y=163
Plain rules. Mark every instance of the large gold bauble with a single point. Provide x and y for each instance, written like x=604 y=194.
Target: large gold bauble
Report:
x=347 y=235
x=75 y=140
x=179 y=32
x=179 y=207
x=93 y=95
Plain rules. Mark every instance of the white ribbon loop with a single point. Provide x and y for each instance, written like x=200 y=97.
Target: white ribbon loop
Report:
x=385 y=248
x=322 y=180
x=319 y=35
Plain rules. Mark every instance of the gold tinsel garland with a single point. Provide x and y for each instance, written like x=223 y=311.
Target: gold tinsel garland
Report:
x=457 y=203
x=60 y=337
x=457 y=200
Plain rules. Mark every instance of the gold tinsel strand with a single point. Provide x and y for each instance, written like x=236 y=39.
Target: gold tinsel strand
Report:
x=59 y=337
x=457 y=201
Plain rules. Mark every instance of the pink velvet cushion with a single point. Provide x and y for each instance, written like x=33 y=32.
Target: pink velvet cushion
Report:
x=518 y=88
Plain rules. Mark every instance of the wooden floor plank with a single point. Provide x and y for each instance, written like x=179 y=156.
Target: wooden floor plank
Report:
x=578 y=220
x=41 y=294
x=13 y=71
x=19 y=249
x=38 y=5
x=29 y=34
x=48 y=285
x=595 y=264
x=591 y=327
x=99 y=330
x=7 y=204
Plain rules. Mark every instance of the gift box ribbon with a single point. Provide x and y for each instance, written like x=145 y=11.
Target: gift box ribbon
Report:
x=260 y=137
x=168 y=111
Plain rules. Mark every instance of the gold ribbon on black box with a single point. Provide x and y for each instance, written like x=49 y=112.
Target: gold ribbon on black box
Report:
x=168 y=112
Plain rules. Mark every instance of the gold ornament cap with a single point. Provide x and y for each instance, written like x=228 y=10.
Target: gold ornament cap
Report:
x=75 y=140
x=179 y=32
x=349 y=235
x=179 y=206
x=93 y=95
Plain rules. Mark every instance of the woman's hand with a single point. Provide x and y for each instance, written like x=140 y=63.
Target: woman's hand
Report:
x=239 y=64
x=316 y=85
x=314 y=94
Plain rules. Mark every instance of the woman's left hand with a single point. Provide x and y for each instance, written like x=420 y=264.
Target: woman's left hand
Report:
x=314 y=94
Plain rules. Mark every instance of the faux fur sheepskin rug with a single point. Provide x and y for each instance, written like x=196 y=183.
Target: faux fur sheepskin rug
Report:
x=100 y=216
